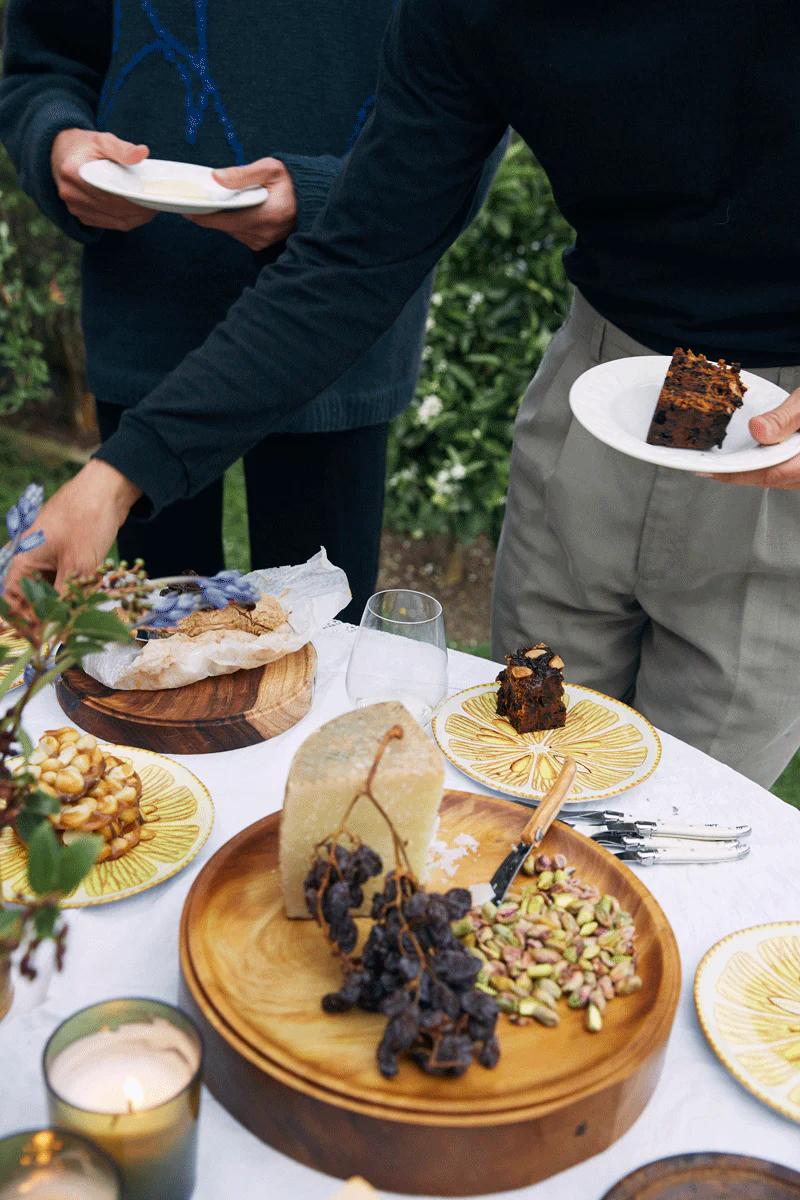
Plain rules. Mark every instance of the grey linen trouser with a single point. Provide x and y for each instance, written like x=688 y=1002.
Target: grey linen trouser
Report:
x=677 y=594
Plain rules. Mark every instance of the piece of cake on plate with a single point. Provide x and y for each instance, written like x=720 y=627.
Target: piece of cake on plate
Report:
x=696 y=403
x=531 y=692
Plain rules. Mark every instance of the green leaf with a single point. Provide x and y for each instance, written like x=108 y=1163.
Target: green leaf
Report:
x=41 y=596
x=44 y=921
x=10 y=925
x=99 y=623
x=76 y=860
x=43 y=855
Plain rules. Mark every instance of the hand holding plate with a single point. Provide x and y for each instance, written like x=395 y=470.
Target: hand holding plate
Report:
x=264 y=224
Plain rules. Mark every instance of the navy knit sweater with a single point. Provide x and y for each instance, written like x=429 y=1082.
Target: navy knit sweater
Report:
x=217 y=83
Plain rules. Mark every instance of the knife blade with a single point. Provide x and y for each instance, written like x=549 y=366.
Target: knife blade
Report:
x=533 y=833
x=617 y=822
x=679 y=853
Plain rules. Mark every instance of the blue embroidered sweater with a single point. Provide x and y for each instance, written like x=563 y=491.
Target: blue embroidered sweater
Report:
x=214 y=83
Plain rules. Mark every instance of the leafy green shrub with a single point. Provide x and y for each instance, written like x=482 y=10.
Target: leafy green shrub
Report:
x=40 y=343
x=500 y=293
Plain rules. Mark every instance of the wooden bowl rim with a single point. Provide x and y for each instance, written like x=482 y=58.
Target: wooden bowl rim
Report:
x=463 y=1112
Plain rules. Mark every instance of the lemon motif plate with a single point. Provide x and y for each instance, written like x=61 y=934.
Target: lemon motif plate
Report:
x=614 y=747
x=15 y=646
x=177 y=811
x=747 y=995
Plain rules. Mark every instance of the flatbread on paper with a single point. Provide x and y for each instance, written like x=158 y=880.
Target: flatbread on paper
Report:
x=311 y=595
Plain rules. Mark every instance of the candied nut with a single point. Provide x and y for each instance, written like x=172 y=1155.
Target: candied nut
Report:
x=75 y=816
x=67 y=754
x=48 y=745
x=69 y=782
x=520 y=672
x=82 y=763
x=556 y=661
x=87 y=742
x=536 y=651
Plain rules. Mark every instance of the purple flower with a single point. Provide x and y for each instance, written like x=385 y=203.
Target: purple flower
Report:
x=19 y=519
x=216 y=591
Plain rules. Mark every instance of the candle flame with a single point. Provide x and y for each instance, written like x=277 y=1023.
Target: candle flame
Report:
x=133 y=1092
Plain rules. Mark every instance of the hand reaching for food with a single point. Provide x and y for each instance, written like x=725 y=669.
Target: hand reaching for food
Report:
x=769 y=429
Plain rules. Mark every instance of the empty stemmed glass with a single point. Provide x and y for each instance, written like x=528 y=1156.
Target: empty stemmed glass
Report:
x=400 y=653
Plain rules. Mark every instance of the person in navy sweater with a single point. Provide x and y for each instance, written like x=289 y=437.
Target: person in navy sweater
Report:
x=274 y=93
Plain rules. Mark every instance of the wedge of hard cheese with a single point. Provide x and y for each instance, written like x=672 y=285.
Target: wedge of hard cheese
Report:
x=327 y=772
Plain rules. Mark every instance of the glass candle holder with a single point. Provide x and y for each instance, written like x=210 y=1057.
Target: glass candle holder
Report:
x=126 y=1074
x=54 y=1164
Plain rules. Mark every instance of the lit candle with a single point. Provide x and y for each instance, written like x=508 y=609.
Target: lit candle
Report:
x=51 y=1164
x=126 y=1073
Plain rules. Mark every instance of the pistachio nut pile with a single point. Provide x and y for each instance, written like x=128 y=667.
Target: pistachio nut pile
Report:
x=558 y=938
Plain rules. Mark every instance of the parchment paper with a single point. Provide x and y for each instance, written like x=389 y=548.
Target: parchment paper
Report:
x=312 y=594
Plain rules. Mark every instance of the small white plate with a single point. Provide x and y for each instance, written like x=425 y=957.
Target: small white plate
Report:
x=172 y=187
x=615 y=402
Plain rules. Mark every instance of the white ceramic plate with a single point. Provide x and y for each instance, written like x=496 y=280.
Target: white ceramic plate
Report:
x=615 y=402
x=614 y=746
x=166 y=186
x=747 y=995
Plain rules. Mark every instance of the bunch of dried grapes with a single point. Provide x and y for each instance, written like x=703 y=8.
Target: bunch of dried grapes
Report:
x=412 y=968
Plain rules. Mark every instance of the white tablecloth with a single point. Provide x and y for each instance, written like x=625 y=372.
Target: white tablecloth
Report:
x=130 y=948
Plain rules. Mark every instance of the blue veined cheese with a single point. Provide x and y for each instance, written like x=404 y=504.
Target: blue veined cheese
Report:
x=329 y=769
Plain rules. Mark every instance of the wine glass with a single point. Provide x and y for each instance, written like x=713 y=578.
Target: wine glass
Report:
x=400 y=653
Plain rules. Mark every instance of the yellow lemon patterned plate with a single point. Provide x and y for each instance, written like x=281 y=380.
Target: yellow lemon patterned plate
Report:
x=14 y=646
x=177 y=809
x=747 y=995
x=614 y=747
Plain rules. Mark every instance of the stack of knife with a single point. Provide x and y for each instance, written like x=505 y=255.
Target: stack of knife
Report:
x=659 y=842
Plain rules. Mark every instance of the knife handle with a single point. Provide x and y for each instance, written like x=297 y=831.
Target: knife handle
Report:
x=684 y=829
x=548 y=810
x=686 y=853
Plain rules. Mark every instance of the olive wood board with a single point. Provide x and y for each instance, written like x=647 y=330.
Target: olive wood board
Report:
x=308 y=1083
x=223 y=712
x=708 y=1177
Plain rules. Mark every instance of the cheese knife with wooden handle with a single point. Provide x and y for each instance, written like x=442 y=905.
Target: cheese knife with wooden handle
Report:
x=533 y=833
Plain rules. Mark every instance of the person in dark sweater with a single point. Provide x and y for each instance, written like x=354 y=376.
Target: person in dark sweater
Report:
x=672 y=146
x=277 y=94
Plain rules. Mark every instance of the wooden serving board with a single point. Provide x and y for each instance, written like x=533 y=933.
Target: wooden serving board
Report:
x=709 y=1177
x=308 y=1083
x=221 y=713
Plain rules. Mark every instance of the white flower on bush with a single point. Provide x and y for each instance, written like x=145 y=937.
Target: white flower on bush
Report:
x=429 y=409
x=443 y=485
x=405 y=475
x=475 y=301
x=430 y=324
x=436 y=299
x=458 y=471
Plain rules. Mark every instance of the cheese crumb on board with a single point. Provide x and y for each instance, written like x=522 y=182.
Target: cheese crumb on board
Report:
x=355 y=1189
x=331 y=767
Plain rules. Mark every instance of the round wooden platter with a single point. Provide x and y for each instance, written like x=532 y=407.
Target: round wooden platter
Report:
x=308 y=1083
x=220 y=713
x=708 y=1177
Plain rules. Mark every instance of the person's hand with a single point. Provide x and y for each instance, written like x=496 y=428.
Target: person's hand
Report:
x=770 y=428
x=261 y=225
x=74 y=147
x=79 y=524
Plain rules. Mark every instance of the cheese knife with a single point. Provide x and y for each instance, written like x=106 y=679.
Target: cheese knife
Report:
x=650 y=852
x=621 y=823
x=533 y=834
